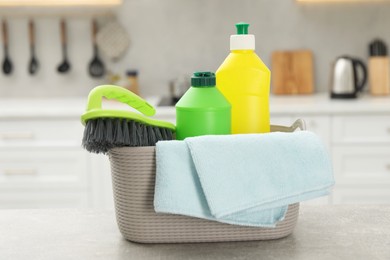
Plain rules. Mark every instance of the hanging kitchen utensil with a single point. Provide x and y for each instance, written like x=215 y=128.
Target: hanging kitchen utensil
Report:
x=65 y=65
x=113 y=40
x=7 y=64
x=33 y=65
x=96 y=67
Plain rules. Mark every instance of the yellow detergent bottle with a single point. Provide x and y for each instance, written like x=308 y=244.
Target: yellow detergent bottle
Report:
x=244 y=80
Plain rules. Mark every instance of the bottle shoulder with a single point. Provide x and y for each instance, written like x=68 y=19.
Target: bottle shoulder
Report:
x=243 y=60
x=203 y=98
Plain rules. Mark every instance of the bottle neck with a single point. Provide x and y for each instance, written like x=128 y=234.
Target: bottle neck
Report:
x=242 y=51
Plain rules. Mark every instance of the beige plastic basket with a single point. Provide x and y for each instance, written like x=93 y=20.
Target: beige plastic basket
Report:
x=133 y=175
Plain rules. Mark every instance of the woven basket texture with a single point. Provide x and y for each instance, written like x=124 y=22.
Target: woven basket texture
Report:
x=133 y=175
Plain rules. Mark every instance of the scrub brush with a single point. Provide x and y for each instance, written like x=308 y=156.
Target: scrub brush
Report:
x=106 y=129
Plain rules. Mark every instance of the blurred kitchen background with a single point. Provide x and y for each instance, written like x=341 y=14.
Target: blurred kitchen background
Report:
x=174 y=37
x=157 y=45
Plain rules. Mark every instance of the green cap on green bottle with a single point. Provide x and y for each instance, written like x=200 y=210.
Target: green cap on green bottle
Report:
x=203 y=79
x=242 y=28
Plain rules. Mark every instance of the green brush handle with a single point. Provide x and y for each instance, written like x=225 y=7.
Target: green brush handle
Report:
x=120 y=94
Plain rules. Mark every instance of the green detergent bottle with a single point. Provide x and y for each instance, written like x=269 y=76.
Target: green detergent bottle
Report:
x=202 y=110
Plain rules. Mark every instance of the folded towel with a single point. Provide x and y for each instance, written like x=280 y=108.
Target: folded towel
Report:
x=240 y=179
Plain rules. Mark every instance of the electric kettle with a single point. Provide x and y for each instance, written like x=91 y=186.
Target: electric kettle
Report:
x=346 y=81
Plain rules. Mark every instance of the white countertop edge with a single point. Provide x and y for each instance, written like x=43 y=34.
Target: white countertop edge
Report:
x=316 y=104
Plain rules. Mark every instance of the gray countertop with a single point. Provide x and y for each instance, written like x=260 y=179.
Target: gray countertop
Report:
x=326 y=232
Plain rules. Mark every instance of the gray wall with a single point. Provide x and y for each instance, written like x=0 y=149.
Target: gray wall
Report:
x=174 y=37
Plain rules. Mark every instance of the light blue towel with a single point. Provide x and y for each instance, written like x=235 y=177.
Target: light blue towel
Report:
x=241 y=179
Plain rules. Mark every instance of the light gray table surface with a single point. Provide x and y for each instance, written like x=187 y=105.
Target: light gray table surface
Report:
x=322 y=232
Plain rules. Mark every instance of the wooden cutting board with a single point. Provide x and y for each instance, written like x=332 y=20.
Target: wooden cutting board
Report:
x=292 y=72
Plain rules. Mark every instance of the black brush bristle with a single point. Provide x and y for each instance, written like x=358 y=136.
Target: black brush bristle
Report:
x=151 y=136
x=139 y=129
x=118 y=134
x=164 y=134
x=132 y=133
x=157 y=133
x=143 y=135
x=109 y=132
x=103 y=134
x=126 y=133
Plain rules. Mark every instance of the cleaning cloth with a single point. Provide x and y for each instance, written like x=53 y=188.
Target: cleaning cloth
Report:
x=240 y=179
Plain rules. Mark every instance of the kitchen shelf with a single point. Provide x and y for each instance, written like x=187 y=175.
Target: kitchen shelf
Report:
x=55 y=13
x=75 y=9
x=45 y=3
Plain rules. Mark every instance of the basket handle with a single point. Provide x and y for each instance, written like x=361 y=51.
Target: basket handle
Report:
x=120 y=94
x=299 y=123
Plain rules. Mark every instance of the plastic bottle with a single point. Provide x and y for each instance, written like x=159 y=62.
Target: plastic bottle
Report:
x=202 y=110
x=132 y=84
x=244 y=80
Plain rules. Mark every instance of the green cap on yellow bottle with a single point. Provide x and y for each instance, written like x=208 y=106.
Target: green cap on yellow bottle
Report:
x=242 y=28
x=242 y=40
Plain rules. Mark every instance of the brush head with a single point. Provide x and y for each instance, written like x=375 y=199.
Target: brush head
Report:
x=106 y=129
x=102 y=134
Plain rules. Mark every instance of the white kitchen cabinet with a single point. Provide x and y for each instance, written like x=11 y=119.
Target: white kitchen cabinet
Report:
x=362 y=174
x=359 y=166
x=362 y=129
x=361 y=158
x=42 y=164
x=31 y=168
x=40 y=131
